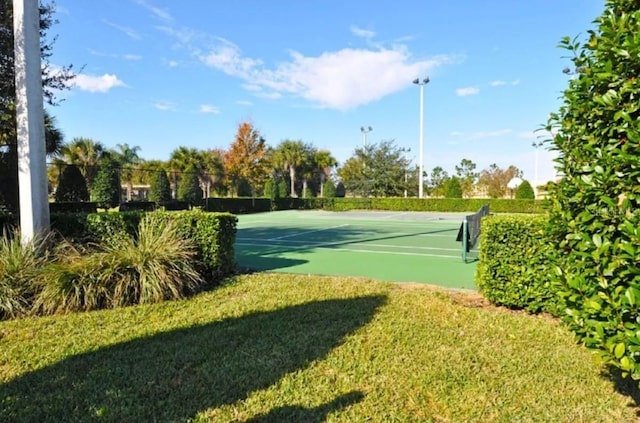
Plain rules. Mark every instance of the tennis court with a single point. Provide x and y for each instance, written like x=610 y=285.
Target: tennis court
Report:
x=391 y=246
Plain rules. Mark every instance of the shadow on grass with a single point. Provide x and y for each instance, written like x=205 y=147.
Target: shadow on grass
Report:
x=308 y=415
x=174 y=375
x=624 y=385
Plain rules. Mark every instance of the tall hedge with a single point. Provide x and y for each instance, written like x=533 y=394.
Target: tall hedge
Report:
x=106 y=186
x=72 y=186
x=516 y=268
x=595 y=211
x=160 y=189
x=189 y=187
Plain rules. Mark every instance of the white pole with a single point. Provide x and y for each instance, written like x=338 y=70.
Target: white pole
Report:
x=536 y=145
x=420 y=178
x=32 y=166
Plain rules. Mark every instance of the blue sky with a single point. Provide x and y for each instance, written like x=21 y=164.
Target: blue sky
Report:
x=161 y=74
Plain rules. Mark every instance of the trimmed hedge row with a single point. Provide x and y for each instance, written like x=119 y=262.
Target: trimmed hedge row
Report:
x=516 y=264
x=214 y=234
x=256 y=205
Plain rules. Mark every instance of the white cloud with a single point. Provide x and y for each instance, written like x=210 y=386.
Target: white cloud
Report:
x=172 y=63
x=363 y=33
x=467 y=91
x=165 y=106
x=97 y=84
x=129 y=32
x=337 y=79
x=114 y=56
x=156 y=11
x=500 y=83
x=244 y=103
x=341 y=79
x=132 y=57
x=208 y=108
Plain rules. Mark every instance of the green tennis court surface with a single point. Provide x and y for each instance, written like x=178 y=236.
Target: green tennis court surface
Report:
x=390 y=246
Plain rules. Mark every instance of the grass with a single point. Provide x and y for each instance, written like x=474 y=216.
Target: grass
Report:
x=273 y=347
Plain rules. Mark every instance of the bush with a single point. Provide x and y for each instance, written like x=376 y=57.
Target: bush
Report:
x=329 y=189
x=72 y=186
x=515 y=264
x=20 y=267
x=106 y=186
x=595 y=212
x=341 y=191
x=452 y=188
x=160 y=190
x=525 y=191
x=189 y=187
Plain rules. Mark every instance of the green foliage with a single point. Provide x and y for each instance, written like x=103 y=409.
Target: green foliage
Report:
x=106 y=185
x=525 y=191
x=189 y=187
x=329 y=189
x=72 y=186
x=378 y=170
x=283 y=189
x=20 y=268
x=160 y=190
x=595 y=212
x=515 y=266
x=495 y=179
x=341 y=191
x=452 y=188
x=271 y=189
x=244 y=189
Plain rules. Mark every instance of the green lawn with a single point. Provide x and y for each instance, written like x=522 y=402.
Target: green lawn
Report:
x=276 y=347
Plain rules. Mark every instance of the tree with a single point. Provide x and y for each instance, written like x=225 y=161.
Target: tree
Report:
x=212 y=174
x=127 y=157
x=160 y=191
x=86 y=154
x=525 y=191
x=379 y=171
x=246 y=159
x=53 y=81
x=292 y=155
x=324 y=162
x=329 y=189
x=595 y=207
x=452 y=187
x=467 y=175
x=189 y=187
x=495 y=179
x=72 y=186
x=106 y=185
x=437 y=180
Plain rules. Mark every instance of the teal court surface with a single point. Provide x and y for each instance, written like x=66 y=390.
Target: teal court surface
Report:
x=414 y=247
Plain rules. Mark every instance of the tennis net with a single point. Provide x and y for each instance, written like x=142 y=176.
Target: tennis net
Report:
x=469 y=231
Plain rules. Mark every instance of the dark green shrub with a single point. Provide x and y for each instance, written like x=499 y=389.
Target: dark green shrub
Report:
x=72 y=186
x=525 y=191
x=452 y=188
x=271 y=189
x=515 y=268
x=595 y=212
x=106 y=185
x=244 y=189
x=189 y=187
x=238 y=205
x=283 y=189
x=341 y=191
x=329 y=189
x=160 y=189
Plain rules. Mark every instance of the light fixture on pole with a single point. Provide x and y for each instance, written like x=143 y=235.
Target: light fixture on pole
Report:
x=365 y=131
x=421 y=83
x=536 y=145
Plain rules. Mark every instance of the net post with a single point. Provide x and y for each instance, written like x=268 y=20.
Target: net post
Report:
x=465 y=239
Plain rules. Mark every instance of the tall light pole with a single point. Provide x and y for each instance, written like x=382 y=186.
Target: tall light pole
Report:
x=536 y=145
x=422 y=83
x=365 y=131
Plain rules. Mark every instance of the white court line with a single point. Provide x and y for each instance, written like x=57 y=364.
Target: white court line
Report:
x=353 y=250
x=307 y=232
x=312 y=244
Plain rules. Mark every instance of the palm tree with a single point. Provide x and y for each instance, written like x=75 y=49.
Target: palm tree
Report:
x=212 y=170
x=127 y=157
x=290 y=155
x=324 y=162
x=181 y=158
x=86 y=154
